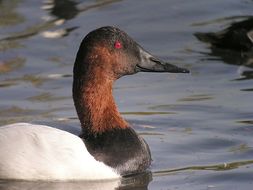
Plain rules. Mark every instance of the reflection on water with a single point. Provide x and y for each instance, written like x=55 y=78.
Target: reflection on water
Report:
x=10 y=65
x=6 y=45
x=246 y=122
x=138 y=182
x=15 y=185
x=240 y=148
x=197 y=97
x=238 y=36
x=233 y=45
x=146 y=113
x=246 y=75
x=62 y=9
x=217 y=167
x=8 y=14
x=16 y=114
x=45 y=97
x=51 y=23
x=58 y=33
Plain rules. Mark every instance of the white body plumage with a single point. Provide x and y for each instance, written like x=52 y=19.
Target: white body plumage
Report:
x=39 y=152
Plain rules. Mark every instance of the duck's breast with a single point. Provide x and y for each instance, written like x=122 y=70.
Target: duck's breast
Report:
x=38 y=152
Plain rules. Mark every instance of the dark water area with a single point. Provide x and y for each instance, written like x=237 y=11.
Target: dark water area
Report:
x=199 y=126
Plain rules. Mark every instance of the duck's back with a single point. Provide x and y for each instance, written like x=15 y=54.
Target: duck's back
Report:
x=38 y=152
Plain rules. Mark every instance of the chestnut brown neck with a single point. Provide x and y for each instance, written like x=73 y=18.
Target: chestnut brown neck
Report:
x=94 y=102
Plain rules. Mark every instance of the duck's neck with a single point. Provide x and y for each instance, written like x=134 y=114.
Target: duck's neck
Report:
x=95 y=104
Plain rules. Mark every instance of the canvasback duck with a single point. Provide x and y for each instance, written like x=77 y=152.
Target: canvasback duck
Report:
x=108 y=147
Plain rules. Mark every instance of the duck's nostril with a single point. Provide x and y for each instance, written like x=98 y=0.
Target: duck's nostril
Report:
x=155 y=60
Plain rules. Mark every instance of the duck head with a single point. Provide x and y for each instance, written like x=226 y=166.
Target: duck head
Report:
x=117 y=54
x=105 y=55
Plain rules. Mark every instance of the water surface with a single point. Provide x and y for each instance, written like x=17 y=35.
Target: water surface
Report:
x=199 y=126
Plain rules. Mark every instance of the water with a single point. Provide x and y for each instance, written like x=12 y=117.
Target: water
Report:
x=199 y=127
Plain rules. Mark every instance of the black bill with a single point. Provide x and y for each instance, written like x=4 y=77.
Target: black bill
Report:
x=149 y=63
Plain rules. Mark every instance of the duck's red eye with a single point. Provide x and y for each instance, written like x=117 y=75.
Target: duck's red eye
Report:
x=117 y=45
